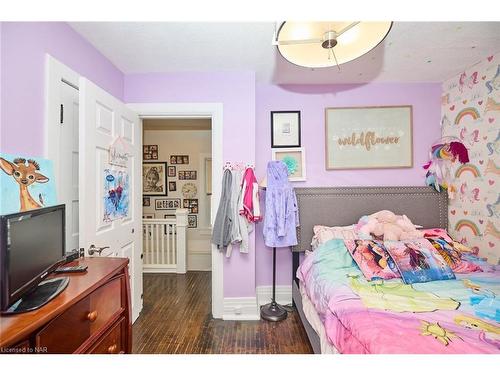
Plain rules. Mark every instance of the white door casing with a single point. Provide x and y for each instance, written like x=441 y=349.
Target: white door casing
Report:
x=215 y=112
x=102 y=119
x=61 y=139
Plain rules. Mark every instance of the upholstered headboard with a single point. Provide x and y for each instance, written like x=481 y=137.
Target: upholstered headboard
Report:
x=339 y=206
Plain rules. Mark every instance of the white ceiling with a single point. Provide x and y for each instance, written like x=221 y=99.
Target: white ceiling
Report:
x=412 y=52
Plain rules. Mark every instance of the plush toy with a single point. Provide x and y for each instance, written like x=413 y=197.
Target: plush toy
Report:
x=388 y=225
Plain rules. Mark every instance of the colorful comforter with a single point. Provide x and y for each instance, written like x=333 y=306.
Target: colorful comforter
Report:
x=387 y=316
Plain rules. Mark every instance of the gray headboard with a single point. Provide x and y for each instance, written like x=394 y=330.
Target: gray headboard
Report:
x=341 y=206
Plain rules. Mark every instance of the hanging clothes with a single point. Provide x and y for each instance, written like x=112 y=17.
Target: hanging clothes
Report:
x=251 y=204
x=221 y=232
x=282 y=215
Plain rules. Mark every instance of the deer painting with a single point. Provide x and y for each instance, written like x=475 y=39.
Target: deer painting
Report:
x=25 y=174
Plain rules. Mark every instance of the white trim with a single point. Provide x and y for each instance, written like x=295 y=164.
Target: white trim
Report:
x=160 y=269
x=55 y=72
x=283 y=294
x=215 y=112
x=241 y=308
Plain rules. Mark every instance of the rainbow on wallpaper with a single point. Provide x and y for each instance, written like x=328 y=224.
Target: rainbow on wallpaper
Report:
x=467 y=224
x=467 y=168
x=469 y=111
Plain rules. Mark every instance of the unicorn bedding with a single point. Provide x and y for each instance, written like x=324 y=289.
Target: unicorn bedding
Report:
x=455 y=313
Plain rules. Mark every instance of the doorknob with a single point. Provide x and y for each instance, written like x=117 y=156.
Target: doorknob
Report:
x=93 y=249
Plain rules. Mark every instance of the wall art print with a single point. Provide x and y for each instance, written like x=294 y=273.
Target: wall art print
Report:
x=116 y=194
x=470 y=109
x=26 y=183
x=154 y=178
x=369 y=137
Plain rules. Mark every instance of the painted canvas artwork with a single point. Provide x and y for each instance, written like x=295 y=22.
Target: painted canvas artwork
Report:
x=116 y=194
x=26 y=183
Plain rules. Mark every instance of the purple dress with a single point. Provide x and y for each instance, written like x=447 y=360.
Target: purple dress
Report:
x=282 y=215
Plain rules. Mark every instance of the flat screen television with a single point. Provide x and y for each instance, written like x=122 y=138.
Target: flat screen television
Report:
x=32 y=245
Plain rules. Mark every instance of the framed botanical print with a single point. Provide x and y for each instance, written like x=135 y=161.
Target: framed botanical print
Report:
x=368 y=137
x=285 y=129
x=154 y=178
x=295 y=160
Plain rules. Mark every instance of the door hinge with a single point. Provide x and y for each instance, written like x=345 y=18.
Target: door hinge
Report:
x=142 y=295
x=61 y=114
x=142 y=256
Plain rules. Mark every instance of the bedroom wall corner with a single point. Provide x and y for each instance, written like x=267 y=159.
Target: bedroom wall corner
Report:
x=470 y=109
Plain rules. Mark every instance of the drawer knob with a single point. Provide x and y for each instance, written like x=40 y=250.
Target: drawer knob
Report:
x=112 y=349
x=92 y=316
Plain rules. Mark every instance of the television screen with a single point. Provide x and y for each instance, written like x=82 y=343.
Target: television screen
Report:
x=35 y=242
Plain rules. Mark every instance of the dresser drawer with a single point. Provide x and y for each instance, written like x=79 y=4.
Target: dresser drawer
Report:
x=112 y=342
x=67 y=332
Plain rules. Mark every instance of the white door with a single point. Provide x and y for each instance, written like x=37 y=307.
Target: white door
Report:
x=103 y=118
x=68 y=161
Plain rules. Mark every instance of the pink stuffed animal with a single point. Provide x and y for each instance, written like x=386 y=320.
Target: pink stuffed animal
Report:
x=390 y=226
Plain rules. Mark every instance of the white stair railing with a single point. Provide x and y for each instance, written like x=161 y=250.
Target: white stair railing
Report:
x=164 y=244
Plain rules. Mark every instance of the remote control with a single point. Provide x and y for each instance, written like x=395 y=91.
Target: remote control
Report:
x=71 y=269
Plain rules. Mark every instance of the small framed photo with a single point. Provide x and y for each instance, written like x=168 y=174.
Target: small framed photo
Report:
x=172 y=171
x=182 y=175
x=192 y=221
x=148 y=216
x=173 y=159
x=150 y=152
x=154 y=178
x=170 y=216
x=285 y=129
x=167 y=204
x=179 y=159
x=172 y=186
x=295 y=160
x=191 y=205
x=185 y=159
x=146 y=201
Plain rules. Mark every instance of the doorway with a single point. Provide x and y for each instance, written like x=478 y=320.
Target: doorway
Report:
x=177 y=159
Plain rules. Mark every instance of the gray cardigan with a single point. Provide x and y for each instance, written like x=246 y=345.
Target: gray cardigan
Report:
x=221 y=232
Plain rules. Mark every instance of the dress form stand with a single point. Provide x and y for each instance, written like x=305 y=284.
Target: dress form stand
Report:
x=273 y=311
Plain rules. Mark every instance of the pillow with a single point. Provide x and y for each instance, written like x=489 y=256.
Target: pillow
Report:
x=418 y=261
x=338 y=256
x=323 y=234
x=372 y=259
x=451 y=251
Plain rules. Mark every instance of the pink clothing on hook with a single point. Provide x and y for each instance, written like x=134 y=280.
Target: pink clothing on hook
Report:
x=251 y=205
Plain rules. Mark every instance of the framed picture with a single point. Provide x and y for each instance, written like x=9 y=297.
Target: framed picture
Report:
x=295 y=160
x=192 y=221
x=368 y=137
x=172 y=171
x=187 y=175
x=191 y=205
x=146 y=201
x=150 y=152
x=179 y=159
x=285 y=129
x=172 y=186
x=167 y=204
x=170 y=216
x=154 y=178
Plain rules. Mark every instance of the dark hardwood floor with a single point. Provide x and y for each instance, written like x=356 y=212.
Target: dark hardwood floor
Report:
x=176 y=319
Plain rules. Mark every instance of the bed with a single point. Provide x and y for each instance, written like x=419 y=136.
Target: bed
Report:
x=343 y=313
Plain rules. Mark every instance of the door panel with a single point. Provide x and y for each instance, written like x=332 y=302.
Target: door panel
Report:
x=104 y=119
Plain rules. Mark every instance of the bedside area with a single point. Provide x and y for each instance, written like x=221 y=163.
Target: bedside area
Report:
x=92 y=315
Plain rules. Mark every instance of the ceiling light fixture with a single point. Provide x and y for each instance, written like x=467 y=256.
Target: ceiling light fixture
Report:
x=326 y=44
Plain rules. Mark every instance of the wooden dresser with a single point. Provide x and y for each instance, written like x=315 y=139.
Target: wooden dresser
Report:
x=92 y=315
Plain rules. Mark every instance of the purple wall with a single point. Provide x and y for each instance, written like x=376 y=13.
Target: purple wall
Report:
x=23 y=48
x=236 y=91
x=312 y=100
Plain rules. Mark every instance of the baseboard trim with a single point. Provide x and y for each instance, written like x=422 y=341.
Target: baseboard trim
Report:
x=241 y=308
x=283 y=294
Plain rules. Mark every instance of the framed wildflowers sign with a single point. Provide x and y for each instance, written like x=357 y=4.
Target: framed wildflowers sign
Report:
x=368 y=137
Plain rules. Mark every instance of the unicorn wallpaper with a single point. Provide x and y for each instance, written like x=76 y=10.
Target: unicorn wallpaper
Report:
x=471 y=112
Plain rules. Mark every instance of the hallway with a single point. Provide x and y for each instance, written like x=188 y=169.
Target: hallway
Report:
x=176 y=320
